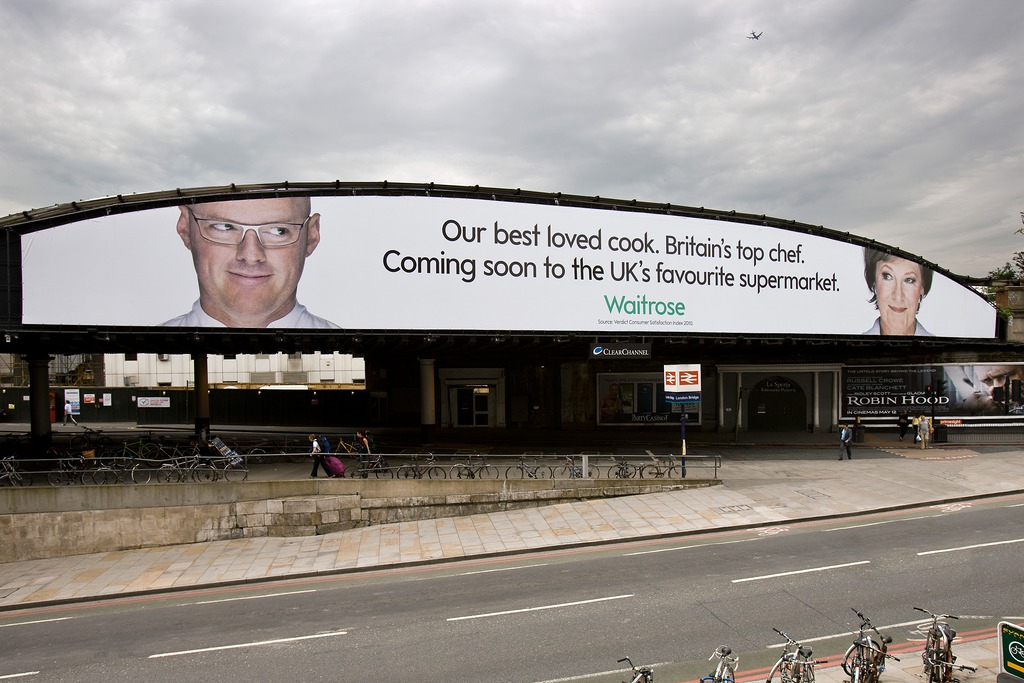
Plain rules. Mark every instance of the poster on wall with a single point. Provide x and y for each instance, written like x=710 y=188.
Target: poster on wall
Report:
x=492 y=265
x=992 y=390
x=637 y=398
x=73 y=396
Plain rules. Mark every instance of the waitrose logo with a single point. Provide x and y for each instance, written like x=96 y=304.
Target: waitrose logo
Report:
x=641 y=305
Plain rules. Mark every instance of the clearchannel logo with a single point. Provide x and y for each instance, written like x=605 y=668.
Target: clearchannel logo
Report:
x=620 y=350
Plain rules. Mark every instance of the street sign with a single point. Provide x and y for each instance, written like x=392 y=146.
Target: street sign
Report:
x=682 y=383
x=1011 y=650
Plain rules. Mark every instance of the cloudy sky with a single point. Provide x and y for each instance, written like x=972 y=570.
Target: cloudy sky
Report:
x=901 y=121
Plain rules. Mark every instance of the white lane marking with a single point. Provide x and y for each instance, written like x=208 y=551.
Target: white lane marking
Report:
x=971 y=547
x=252 y=597
x=502 y=569
x=21 y=675
x=537 y=609
x=888 y=521
x=252 y=644
x=583 y=677
x=801 y=571
x=1018 y=505
x=38 y=621
x=687 y=547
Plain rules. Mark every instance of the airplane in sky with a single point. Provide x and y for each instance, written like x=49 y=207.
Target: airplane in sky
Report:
x=754 y=36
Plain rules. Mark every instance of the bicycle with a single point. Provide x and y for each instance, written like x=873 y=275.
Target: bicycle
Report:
x=641 y=674
x=429 y=470
x=864 y=660
x=527 y=470
x=795 y=664
x=659 y=469
x=374 y=465
x=938 y=658
x=570 y=470
x=622 y=469
x=725 y=670
x=471 y=470
x=10 y=474
x=70 y=470
x=89 y=438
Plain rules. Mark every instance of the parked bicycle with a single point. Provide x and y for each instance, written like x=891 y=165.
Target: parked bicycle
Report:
x=795 y=664
x=622 y=469
x=70 y=470
x=640 y=674
x=570 y=470
x=89 y=438
x=11 y=475
x=468 y=469
x=725 y=669
x=373 y=465
x=660 y=468
x=864 y=660
x=938 y=658
x=428 y=470
x=527 y=469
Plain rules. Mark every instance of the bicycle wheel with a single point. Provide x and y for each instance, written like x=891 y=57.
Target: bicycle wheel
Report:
x=204 y=473
x=436 y=472
x=941 y=669
x=652 y=471
x=487 y=472
x=18 y=478
x=408 y=472
x=461 y=471
x=168 y=474
x=141 y=474
x=237 y=472
x=383 y=473
x=623 y=471
x=516 y=472
x=258 y=456
x=101 y=476
x=57 y=478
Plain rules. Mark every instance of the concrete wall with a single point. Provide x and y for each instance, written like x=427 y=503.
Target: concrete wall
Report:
x=51 y=522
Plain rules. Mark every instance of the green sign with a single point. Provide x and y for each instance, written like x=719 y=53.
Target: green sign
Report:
x=1011 y=649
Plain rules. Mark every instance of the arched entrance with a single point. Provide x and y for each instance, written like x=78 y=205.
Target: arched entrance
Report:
x=777 y=404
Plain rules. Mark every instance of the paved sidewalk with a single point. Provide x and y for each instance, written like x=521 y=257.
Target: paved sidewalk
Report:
x=754 y=492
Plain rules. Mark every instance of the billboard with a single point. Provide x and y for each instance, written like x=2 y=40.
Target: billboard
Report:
x=442 y=263
x=989 y=390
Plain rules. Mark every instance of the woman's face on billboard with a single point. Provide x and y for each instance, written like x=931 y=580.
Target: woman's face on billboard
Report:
x=898 y=291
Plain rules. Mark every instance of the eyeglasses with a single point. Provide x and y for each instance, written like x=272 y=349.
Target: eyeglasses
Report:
x=220 y=231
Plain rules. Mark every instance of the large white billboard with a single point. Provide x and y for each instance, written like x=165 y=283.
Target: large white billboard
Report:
x=428 y=263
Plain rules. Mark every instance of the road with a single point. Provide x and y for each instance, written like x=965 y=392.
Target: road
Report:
x=555 y=615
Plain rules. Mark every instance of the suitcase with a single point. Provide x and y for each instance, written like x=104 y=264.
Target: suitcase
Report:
x=334 y=467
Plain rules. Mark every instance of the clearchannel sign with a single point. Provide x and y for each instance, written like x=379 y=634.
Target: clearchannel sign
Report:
x=442 y=263
x=619 y=351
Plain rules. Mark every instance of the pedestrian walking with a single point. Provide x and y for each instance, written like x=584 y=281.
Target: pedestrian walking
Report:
x=924 y=431
x=903 y=422
x=318 y=459
x=68 y=415
x=845 y=437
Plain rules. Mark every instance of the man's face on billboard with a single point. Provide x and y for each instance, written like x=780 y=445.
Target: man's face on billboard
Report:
x=249 y=277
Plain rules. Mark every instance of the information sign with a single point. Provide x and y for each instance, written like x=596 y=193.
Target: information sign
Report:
x=1011 y=650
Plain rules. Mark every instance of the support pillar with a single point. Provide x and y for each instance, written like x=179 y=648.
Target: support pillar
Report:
x=428 y=410
x=201 y=384
x=815 y=393
x=41 y=432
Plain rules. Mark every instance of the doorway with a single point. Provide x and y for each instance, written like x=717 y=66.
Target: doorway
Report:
x=777 y=404
x=473 y=406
